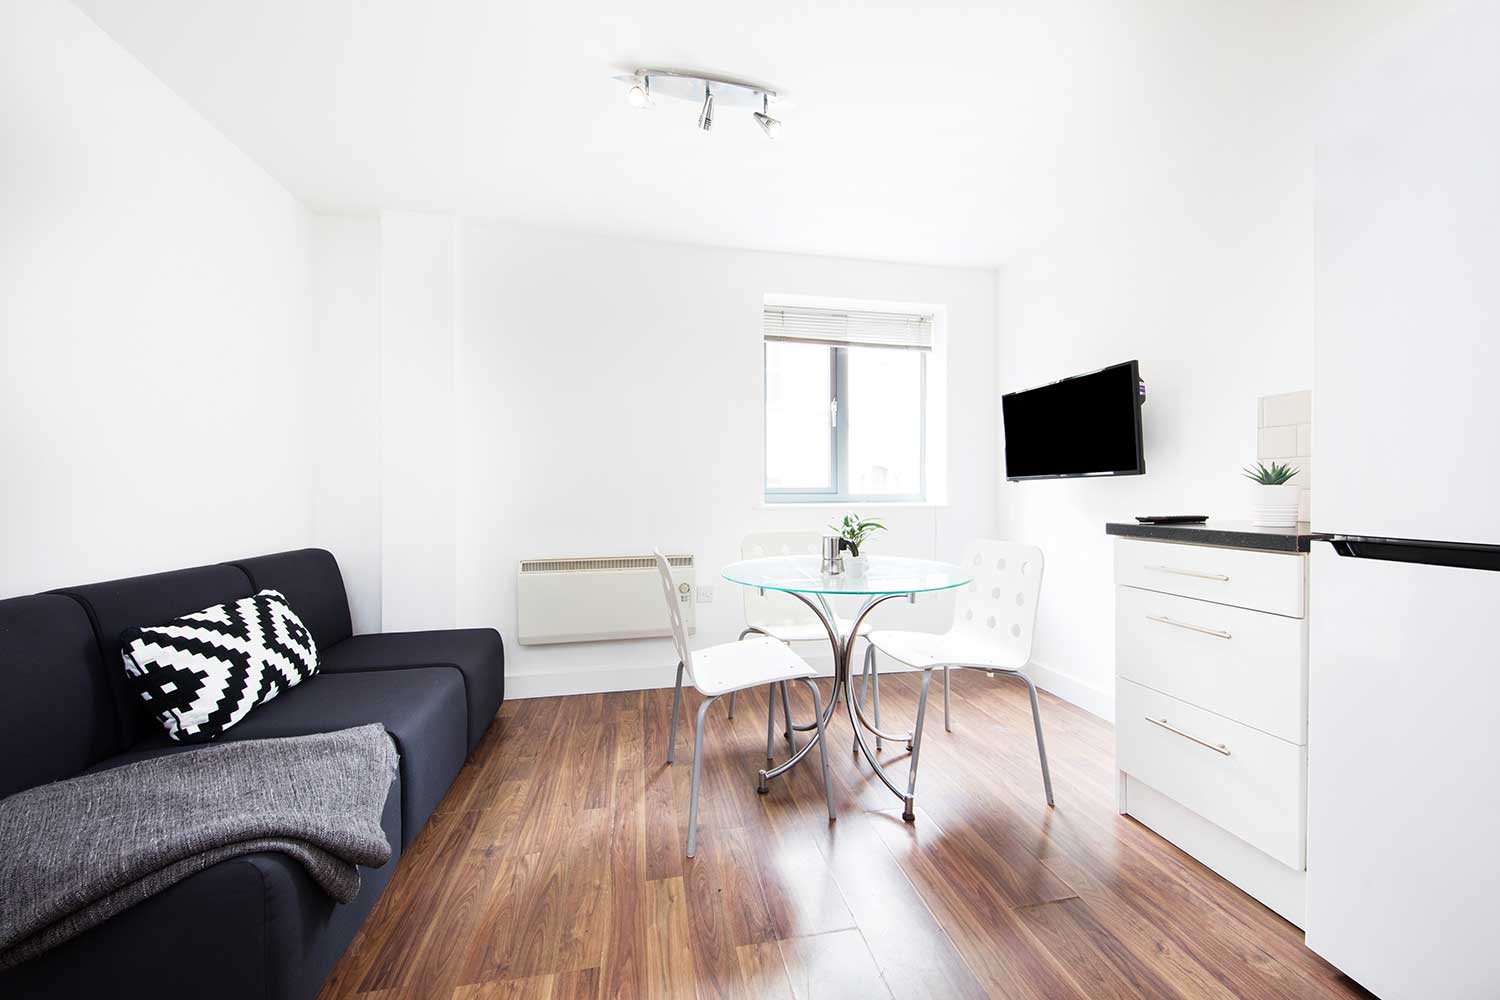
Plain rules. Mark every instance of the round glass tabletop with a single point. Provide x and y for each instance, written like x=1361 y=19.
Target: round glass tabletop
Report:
x=884 y=575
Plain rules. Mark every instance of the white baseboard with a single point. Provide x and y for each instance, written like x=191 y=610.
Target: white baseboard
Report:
x=1094 y=700
x=565 y=682
x=593 y=681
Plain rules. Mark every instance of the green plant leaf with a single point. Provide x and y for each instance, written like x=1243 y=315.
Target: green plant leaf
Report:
x=1277 y=474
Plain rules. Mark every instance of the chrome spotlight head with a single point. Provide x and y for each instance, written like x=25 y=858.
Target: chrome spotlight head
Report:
x=770 y=126
x=638 y=89
x=706 y=116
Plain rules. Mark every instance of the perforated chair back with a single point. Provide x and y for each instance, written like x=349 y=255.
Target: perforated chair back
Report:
x=674 y=611
x=1000 y=604
x=776 y=612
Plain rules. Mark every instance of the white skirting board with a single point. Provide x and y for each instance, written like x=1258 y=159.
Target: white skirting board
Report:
x=564 y=682
x=1282 y=889
x=1095 y=701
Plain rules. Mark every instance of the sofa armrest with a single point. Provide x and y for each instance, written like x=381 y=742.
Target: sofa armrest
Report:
x=256 y=927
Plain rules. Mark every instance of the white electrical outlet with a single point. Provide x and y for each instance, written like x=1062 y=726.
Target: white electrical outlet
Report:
x=705 y=595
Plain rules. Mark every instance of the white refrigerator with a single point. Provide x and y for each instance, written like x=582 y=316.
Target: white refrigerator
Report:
x=1403 y=879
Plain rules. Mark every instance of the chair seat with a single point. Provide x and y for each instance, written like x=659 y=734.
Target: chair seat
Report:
x=807 y=631
x=945 y=649
x=752 y=662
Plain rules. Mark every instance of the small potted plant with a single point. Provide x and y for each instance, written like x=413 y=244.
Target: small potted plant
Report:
x=853 y=531
x=1274 y=503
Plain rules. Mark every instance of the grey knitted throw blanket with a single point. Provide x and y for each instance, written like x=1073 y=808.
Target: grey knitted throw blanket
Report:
x=76 y=852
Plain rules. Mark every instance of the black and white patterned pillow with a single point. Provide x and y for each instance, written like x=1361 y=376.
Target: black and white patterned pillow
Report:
x=204 y=672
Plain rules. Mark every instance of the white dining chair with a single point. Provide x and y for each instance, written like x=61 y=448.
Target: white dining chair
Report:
x=994 y=623
x=724 y=669
x=784 y=617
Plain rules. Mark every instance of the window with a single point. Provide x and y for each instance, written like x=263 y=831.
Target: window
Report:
x=846 y=404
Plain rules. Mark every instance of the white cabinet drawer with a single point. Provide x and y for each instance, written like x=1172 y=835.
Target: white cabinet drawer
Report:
x=1246 y=665
x=1265 y=581
x=1238 y=778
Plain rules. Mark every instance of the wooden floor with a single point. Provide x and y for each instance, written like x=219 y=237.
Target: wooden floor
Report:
x=555 y=869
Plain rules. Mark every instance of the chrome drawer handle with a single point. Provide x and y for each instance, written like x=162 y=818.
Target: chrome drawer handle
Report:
x=1216 y=632
x=1220 y=577
x=1215 y=747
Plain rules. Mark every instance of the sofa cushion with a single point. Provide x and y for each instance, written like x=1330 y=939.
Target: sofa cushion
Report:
x=477 y=653
x=202 y=673
x=313 y=585
x=57 y=715
x=117 y=605
x=252 y=927
x=422 y=709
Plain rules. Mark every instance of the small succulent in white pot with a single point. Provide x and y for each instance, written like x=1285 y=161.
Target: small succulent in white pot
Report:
x=853 y=532
x=1275 y=496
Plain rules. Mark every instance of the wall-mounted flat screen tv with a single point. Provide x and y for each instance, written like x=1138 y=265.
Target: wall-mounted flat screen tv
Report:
x=1088 y=425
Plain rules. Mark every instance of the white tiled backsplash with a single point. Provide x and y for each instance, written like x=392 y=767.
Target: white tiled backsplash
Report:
x=1284 y=434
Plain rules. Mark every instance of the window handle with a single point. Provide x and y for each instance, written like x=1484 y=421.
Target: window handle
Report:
x=833 y=412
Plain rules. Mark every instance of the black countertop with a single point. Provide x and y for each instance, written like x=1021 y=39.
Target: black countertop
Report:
x=1234 y=534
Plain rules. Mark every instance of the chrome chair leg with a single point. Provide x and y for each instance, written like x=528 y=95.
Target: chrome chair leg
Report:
x=770 y=721
x=869 y=680
x=786 y=710
x=676 y=704
x=864 y=689
x=822 y=745
x=947 y=703
x=697 y=771
x=865 y=674
x=731 y=703
x=910 y=814
x=1041 y=745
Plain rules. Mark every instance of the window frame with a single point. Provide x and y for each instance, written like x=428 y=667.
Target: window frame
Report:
x=838 y=456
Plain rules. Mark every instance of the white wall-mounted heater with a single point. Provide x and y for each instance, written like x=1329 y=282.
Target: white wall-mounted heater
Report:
x=602 y=597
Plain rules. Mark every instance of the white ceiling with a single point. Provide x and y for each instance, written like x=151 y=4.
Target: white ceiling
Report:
x=927 y=132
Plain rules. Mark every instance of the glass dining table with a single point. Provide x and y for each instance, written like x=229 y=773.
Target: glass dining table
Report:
x=883 y=579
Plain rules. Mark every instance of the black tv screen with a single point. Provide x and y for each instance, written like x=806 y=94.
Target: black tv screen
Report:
x=1088 y=425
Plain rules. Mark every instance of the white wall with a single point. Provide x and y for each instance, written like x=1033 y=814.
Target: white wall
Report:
x=1189 y=247
x=610 y=400
x=605 y=397
x=347 y=471
x=485 y=392
x=153 y=320
x=418 y=449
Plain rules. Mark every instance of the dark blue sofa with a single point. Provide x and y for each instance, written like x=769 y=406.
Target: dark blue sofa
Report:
x=256 y=926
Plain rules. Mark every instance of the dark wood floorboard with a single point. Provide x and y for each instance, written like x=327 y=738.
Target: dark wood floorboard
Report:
x=554 y=869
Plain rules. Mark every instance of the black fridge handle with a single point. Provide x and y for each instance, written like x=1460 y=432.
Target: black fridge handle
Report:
x=1461 y=555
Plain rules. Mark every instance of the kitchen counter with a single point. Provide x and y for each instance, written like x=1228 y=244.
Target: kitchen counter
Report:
x=1234 y=534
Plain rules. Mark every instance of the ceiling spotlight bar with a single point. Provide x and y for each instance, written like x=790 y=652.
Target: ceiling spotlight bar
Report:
x=714 y=92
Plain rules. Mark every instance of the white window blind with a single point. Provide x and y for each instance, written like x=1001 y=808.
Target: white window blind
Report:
x=848 y=328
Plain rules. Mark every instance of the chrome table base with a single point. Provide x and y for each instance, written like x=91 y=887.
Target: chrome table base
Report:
x=843 y=656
